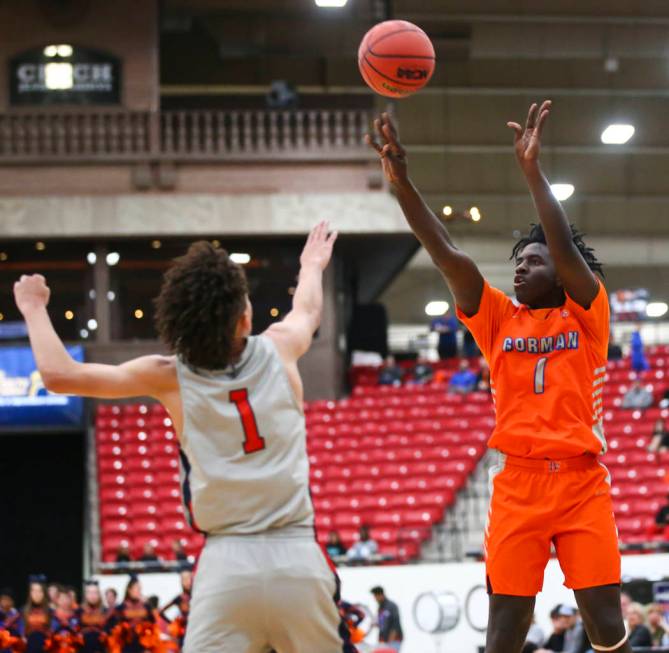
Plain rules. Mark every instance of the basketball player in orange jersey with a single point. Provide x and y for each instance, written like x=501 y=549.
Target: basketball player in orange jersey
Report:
x=547 y=355
x=236 y=401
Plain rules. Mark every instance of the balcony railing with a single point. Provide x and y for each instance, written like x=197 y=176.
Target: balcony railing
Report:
x=113 y=136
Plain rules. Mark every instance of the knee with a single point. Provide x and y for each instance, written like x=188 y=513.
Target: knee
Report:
x=607 y=629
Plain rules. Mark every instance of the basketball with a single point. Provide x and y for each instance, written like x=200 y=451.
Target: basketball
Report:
x=396 y=58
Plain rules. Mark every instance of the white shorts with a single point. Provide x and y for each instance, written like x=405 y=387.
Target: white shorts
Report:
x=255 y=594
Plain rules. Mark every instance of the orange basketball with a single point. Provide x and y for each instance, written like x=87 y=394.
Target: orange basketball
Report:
x=396 y=58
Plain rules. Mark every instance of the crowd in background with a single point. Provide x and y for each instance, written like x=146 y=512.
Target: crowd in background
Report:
x=647 y=626
x=54 y=621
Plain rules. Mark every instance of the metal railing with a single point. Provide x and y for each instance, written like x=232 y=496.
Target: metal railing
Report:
x=118 y=136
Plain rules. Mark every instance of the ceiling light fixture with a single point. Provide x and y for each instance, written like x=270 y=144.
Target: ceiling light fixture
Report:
x=435 y=308
x=562 y=191
x=617 y=134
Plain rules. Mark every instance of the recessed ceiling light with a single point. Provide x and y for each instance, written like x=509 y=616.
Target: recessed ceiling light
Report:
x=435 y=308
x=562 y=191
x=617 y=134
x=447 y=210
x=242 y=258
x=139 y=313
x=156 y=244
x=331 y=3
x=69 y=315
x=113 y=258
x=40 y=246
x=91 y=257
x=92 y=324
x=475 y=214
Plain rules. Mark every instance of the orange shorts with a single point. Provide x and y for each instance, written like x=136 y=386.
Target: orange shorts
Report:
x=538 y=502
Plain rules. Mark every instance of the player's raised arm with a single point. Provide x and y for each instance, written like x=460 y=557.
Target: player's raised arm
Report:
x=576 y=276
x=150 y=376
x=461 y=273
x=293 y=335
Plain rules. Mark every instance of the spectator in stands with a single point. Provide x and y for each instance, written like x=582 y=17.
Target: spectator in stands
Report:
x=111 y=598
x=334 y=546
x=447 y=327
x=365 y=548
x=662 y=516
x=463 y=381
x=388 y=620
x=149 y=555
x=561 y=619
x=391 y=374
x=659 y=629
x=639 y=362
x=8 y=613
x=637 y=396
x=660 y=438
x=639 y=635
x=123 y=554
x=131 y=620
x=53 y=590
x=36 y=616
x=92 y=617
x=422 y=374
x=535 y=637
x=483 y=377
x=180 y=554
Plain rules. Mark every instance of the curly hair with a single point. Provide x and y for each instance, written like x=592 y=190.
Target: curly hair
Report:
x=200 y=302
x=537 y=235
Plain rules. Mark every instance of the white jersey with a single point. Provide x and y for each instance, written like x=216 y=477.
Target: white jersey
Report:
x=244 y=466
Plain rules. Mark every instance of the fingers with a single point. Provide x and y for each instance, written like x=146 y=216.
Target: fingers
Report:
x=531 y=116
x=542 y=119
x=373 y=144
x=332 y=238
x=517 y=130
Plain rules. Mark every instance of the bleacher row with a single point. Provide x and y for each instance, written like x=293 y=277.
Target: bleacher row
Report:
x=390 y=457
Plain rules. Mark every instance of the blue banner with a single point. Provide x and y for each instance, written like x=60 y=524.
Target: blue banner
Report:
x=24 y=401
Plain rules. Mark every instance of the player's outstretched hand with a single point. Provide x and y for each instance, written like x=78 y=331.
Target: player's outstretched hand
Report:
x=527 y=141
x=31 y=292
x=388 y=147
x=318 y=248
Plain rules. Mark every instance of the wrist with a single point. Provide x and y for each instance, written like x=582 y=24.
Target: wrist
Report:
x=532 y=171
x=402 y=185
x=31 y=311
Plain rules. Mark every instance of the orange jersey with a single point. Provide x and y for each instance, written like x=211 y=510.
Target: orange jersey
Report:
x=547 y=373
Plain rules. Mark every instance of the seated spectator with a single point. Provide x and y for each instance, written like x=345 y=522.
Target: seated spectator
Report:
x=391 y=374
x=463 y=381
x=447 y=327
x=422 y=374
x=660 y=438
x=365 y=548
x=662 y=516
x=638 y=631
x=483 y=378
x=334 y=546
x=123 y=553
x=179 y=554
x=149 y=557
x=637 y=396
x=639 y=362
x=561 y=619
x=659 y=629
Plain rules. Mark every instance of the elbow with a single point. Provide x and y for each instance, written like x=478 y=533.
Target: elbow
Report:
x=56 y=381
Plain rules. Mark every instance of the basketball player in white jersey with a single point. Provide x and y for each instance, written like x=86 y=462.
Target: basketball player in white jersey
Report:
x=236 y=403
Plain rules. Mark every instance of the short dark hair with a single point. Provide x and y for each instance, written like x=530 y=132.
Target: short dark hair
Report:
x=537 y=235
x=201 y=300
x=377 y=589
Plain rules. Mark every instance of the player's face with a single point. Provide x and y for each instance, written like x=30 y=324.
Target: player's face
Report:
x=535 y=277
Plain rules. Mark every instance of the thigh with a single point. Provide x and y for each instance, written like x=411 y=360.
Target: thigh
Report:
x=224 y=611
x=301 y=602
x=517 y=538
x=509 y=621
x=586 y=540
x=602 y=615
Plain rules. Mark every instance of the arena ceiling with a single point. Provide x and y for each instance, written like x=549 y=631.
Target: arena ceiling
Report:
x=599 y=62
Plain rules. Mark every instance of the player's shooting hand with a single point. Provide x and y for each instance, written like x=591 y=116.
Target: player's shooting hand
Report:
x=31 y=292
x=388 y=147
x=527 y=141
x=318 y=248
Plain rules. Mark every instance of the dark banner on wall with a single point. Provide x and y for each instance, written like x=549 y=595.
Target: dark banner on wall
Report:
x=25 y=402
x=64 y=74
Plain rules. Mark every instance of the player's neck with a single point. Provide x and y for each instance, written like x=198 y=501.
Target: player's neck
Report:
x=554 y=299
